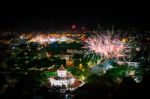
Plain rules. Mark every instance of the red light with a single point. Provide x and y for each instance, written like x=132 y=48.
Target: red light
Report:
x=73 y=27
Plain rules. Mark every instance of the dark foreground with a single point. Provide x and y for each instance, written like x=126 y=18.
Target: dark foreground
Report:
x=101 y=89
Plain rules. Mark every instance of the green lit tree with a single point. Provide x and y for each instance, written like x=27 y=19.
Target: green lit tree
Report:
x=118 y=71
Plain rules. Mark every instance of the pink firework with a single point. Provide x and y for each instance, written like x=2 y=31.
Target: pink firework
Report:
x=106 y=45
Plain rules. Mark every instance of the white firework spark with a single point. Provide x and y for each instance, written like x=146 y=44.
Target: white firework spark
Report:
x=106 y=45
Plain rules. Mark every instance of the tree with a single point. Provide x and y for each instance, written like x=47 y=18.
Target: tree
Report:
x=118 y=72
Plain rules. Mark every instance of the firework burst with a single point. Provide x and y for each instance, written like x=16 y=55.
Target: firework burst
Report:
x=106 y=45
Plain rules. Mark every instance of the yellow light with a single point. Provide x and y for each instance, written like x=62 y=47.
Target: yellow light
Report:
x=132 y=73
x=124 y=40
x=80 y=66
x=83 y=69
x=82 y=77
x=90 y=64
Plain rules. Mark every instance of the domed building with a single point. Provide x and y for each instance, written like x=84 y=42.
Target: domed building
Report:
x=63 y=78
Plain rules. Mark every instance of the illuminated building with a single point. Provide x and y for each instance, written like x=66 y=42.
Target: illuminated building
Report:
x=63 y=78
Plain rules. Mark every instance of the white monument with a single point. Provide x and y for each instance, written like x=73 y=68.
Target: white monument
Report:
x=63 y=78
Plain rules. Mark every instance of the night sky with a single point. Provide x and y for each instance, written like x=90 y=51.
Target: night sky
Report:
x=48 y=16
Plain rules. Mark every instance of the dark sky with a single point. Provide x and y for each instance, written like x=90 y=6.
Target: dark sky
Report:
x=58 y=16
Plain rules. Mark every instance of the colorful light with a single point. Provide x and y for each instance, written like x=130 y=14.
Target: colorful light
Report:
x=43 y=39
x=106 y=45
